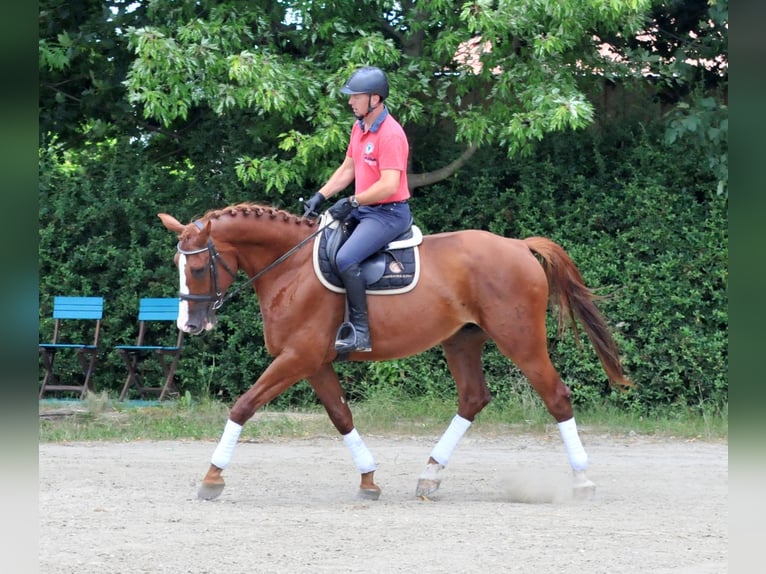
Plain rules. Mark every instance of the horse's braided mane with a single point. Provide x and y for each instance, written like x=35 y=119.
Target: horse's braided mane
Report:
x=257 y=210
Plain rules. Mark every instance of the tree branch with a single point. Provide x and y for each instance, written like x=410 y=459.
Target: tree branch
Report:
x=421 y=179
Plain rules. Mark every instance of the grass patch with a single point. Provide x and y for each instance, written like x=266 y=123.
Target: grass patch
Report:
x=99 y=418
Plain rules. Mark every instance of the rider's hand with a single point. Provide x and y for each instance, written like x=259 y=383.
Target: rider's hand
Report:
x=341 y=209
x=313 y=204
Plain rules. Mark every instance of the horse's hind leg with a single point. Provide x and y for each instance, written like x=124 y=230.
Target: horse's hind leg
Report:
x=327 y=387
x=463 y=352
x=527 y=348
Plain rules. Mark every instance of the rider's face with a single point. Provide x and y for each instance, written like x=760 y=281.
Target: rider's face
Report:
x=360 y=103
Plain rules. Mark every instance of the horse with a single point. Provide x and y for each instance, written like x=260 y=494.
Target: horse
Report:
x=473 y=286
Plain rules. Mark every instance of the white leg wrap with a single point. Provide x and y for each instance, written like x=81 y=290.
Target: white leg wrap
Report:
x=431 y=472
x=359 y=452
x=578 y=458
x=442 y=452
x=224 y=450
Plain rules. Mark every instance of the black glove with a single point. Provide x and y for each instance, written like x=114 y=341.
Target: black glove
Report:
x=341 y=209
x=313 y=204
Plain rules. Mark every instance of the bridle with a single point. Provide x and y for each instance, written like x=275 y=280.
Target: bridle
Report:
x=218 y=299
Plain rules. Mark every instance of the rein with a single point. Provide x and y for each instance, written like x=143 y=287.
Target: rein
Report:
x=219 y=299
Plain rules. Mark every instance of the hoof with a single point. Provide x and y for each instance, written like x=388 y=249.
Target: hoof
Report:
x=368 y=494
x=583 y=488
x=427 y=487
x=429 y=481
x=210 y=491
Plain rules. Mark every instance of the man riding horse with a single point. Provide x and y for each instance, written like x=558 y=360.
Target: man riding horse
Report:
x=378 y=212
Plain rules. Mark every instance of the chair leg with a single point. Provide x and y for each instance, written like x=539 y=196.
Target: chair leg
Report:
x=87 y=365
x=169 y=364
x=131 y=362
x=49 y=356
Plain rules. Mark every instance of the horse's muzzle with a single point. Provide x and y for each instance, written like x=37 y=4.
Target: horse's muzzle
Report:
x=195 y=326
x=195 y=321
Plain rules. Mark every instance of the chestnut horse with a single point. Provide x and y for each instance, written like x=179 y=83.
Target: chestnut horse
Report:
x=473 y=286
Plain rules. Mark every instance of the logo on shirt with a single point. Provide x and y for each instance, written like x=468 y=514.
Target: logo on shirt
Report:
x=368 y=148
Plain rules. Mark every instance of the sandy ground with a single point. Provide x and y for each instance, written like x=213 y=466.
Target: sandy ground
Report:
x=289 y=506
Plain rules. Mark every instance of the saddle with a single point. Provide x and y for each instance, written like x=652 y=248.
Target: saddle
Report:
x=392 y=270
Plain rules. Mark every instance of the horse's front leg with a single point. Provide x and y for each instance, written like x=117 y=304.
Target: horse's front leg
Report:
x=463 y=354
x=283 y=372
x=327 y=387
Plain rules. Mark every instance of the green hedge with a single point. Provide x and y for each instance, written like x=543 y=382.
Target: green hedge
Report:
x=641 y=220
x=645 y=226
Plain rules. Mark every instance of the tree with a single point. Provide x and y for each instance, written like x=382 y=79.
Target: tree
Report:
x=83 y=59
x=684 y=54
x=254 y=84
x=491 y=73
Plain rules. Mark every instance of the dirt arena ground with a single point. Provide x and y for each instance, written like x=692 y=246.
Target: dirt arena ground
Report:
x=660 y=506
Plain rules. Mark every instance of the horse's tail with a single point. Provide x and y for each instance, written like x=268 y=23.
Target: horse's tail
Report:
x=573 y=299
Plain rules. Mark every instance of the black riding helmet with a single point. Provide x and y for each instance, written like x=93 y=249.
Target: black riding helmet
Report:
x=367 y=80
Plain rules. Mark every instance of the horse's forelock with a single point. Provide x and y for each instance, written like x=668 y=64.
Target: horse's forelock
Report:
x=187 y=233
x=191 y=237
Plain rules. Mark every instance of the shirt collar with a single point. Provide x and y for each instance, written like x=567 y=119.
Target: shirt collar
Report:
x=376 y=124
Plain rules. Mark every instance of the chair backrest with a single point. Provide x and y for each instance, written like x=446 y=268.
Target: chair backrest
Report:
x=84 y=308
x=152 y=309
x=158 y=309
x=78 y=307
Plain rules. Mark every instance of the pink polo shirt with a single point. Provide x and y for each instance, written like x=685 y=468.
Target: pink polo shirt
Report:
x=383 y=146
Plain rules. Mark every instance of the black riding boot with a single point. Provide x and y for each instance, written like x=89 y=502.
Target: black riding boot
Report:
x=354 y=335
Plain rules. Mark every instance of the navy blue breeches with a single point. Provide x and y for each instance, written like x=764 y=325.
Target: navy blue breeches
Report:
x=378 y=225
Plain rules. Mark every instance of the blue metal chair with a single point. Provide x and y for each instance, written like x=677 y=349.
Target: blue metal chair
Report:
x=68 y=310
x=151 y=312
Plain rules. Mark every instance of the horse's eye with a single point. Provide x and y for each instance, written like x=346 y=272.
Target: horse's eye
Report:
x=198 y=273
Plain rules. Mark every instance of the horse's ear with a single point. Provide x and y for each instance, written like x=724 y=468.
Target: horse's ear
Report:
x=205 y=231
x=171 y=222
